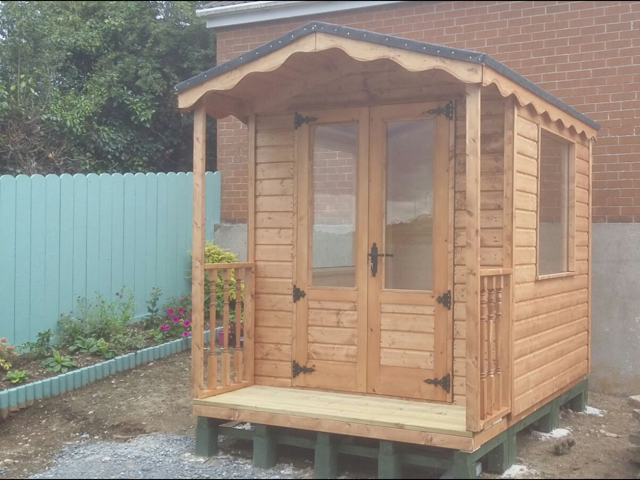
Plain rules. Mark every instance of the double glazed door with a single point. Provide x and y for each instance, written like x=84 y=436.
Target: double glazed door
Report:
x=372 y=255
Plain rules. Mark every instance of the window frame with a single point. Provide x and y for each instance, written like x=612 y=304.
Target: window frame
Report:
x=571 y=247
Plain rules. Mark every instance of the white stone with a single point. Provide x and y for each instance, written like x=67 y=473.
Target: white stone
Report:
x=555 y=435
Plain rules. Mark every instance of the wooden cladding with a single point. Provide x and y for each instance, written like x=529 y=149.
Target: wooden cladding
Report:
x=228 y=358
x=495 y=335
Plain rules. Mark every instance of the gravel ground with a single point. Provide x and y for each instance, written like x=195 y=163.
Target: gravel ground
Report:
x=155 y=456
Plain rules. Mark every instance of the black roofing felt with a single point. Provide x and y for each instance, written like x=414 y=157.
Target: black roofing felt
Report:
x=395 y=42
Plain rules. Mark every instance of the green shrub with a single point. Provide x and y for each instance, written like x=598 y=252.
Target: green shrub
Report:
x=153 y=307
x=17 y=376
x=215 y=254
x=42 y=347
x=59 y=363
x=104 y=319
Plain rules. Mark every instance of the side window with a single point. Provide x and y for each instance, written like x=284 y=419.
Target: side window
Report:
x=556 y=180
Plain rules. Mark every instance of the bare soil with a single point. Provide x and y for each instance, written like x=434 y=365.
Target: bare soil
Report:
x=155 y=399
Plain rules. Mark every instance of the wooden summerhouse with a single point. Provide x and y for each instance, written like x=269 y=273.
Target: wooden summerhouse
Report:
x=418 y=253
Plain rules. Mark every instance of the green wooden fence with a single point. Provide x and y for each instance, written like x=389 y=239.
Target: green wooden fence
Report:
x=68 y=237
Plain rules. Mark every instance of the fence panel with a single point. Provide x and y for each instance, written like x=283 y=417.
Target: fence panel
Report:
x=73 y=237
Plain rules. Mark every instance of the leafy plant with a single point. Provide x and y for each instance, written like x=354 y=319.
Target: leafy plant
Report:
x=128 y=341
x=4 y=365
x=41 y=348
x=7 y=354
x=59 y=363
x=17 y=376
x=71 y=329
x=88 y=346
x=216 y=254
x=153 y=304
x=154 y=312
x=104 y=319
x=105 y=350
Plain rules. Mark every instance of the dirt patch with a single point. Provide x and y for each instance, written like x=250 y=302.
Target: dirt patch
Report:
x=601 y=445
x=155 y=398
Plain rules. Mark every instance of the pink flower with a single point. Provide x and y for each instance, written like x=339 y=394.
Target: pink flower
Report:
x=165 y=328
x=170 y=312
x=186 y=324
x=176 y=320
x=181 y=310
x=186 y=334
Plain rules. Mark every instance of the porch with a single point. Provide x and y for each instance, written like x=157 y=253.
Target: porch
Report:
x=368 y=416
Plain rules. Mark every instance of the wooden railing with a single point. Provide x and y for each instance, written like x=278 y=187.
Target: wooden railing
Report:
x=229 y=365
x=495 y=340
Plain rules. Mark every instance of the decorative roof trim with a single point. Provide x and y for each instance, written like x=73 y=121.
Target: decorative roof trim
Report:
x=513 y=83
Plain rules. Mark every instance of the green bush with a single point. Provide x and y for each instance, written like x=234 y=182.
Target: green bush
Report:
x=215 y=254
x=104 y=319
x=41 y=348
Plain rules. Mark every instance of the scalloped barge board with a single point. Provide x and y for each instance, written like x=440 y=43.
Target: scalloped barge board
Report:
x=25 y=395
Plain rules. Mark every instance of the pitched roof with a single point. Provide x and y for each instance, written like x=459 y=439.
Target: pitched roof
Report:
x=429 y=49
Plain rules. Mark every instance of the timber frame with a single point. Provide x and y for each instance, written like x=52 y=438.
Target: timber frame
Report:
x=490 y=344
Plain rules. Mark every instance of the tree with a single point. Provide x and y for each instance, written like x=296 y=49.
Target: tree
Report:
x=89 y=85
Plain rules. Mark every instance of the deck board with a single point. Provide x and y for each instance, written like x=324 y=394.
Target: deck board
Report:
x=349 y=408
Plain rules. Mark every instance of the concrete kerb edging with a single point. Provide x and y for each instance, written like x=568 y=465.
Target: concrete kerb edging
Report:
x=25 y=395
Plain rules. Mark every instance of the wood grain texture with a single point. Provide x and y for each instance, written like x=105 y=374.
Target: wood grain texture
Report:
x=272 y=181
x=551 y=315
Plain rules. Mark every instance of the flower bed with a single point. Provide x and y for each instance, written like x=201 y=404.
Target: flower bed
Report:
x=25 y=395
x=102 y=330
x=101 y=338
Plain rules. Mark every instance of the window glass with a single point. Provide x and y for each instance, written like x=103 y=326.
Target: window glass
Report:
x=553 y=219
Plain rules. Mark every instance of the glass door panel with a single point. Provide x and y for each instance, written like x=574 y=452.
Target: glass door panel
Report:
x=409 y=205
x=334 y=173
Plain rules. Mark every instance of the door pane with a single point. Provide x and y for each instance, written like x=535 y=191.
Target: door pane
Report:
x=409 y=205
x=334 y=184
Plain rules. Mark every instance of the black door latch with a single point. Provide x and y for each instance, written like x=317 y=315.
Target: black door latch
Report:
x=373 y=255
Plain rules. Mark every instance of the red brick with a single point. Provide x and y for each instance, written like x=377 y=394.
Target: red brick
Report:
x=585 y=52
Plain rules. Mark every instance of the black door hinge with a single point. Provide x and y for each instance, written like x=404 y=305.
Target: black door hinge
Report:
x=299 y=120
x=447 y=111
x=444 y=382
x=445 y=299
x=298 y=294
x=297 y=369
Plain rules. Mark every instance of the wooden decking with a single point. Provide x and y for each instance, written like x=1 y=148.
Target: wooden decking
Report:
x=349 y=414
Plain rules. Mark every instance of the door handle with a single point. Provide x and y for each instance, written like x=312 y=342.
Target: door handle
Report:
x=373 y=255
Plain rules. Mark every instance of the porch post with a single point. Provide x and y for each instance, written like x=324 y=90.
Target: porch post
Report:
x=198 y=260
x=473 y=255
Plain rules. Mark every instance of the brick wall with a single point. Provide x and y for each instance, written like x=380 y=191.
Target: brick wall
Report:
x=586 y=53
